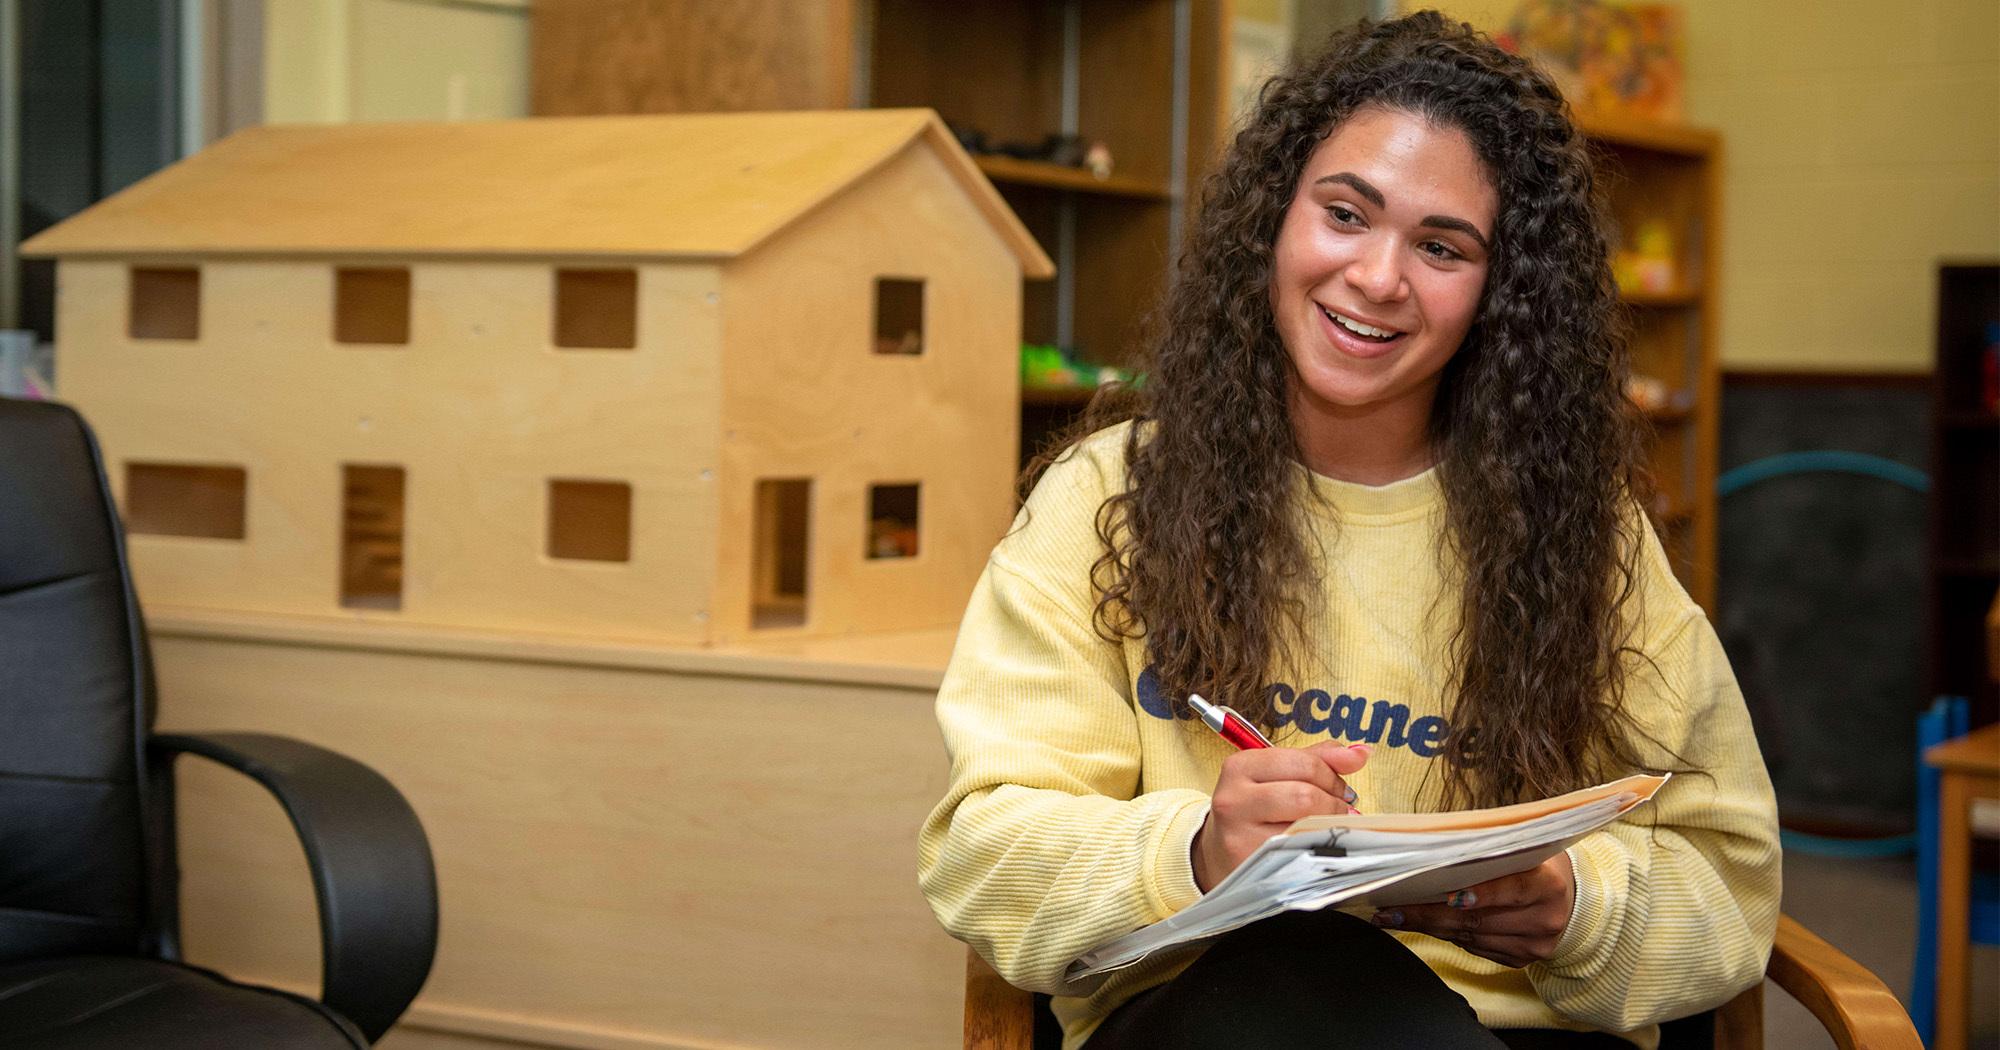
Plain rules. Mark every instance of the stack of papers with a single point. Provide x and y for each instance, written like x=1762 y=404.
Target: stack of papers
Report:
x=1378 y=862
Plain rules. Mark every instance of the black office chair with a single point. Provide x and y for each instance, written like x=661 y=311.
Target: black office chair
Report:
x=89 y=930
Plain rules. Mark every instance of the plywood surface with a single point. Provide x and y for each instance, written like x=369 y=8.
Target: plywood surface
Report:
x=829 y=409
x=479 y=410
x=905 y=659
x=680 y=185
x=690 y=56
x=627 y=857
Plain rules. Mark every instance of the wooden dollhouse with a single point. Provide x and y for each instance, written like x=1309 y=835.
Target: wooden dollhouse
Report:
x=685 y=379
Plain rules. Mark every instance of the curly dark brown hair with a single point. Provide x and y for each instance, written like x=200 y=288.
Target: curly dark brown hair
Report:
x=1537 y=450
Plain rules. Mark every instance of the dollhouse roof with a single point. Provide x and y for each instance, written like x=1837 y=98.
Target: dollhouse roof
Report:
x=710 y=185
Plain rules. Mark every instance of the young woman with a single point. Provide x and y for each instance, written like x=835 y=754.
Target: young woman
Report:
x=1379 y=494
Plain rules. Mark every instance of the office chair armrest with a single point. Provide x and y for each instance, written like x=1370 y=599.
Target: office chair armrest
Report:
x=1857 y=1009
x=371 y=865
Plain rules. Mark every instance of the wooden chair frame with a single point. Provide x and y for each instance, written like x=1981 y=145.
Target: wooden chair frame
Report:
x=1858 y=1010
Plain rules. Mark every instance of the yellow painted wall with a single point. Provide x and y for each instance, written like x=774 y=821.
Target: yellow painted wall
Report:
x=1272 y=11
x=305 y=61
x=340 y=60
x=1862 y=146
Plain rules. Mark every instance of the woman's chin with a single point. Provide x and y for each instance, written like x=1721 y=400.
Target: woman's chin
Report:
x=1344 y=394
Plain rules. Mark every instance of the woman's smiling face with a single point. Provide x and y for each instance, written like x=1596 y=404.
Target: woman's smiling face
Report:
x=1380 y=262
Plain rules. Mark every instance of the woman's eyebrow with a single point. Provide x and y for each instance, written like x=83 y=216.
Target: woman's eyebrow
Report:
x=1446 y=222
x=1374 y=196
x=1360 y=185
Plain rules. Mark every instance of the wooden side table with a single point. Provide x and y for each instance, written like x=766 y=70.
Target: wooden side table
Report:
x=1969 y=768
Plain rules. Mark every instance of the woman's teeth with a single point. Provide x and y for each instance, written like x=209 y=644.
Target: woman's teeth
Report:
x=1380 y=335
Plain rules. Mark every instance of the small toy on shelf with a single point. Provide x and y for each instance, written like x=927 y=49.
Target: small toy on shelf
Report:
x=1063 y=150
x=1648 y=266
x=1045 y=367
x=1649 y=394
x=1654 y=397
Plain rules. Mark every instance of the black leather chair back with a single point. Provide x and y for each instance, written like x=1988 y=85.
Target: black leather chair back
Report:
x=75 y=699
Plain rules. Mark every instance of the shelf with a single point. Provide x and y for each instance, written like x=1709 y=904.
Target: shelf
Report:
x=1058 y=396
x=1969 y=420
x=1636 y=132
x=1974 y=568
x=1671 y=297
x=1018 y=172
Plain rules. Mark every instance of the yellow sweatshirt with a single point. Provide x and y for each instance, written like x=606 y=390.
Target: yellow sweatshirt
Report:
x=1075 y=797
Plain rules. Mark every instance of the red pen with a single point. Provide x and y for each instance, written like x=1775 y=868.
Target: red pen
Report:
x=1228 y=724
x=1232 y=727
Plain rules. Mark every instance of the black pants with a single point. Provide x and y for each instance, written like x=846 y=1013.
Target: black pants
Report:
x=1322 y=980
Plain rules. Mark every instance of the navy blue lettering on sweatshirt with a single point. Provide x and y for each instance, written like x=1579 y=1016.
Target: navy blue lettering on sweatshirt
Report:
x=1355 y=719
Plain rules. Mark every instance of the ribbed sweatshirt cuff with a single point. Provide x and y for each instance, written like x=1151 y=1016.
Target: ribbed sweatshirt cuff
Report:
x=1170 y=884
x=1589 y=915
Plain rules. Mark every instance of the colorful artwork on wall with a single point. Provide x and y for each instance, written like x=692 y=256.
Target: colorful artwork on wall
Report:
x=1606 y=57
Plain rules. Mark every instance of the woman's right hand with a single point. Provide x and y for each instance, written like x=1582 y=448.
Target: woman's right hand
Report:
x=1260 y=792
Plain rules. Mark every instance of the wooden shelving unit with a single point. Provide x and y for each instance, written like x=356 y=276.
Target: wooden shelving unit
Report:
x=1964 y=547
x=1011 y=171
x=1670 y=174
x=1140 y=76
x=1056 y=397
x=1673 y=297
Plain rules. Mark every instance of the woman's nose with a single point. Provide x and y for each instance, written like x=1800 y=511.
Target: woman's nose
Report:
x=1376 y=274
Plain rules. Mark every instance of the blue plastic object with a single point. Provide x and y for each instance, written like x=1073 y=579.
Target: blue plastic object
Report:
x=1824 y=461
x=1850 y=849
x=1948 y=718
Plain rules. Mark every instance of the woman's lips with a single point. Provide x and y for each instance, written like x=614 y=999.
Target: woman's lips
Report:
x=1352 y=344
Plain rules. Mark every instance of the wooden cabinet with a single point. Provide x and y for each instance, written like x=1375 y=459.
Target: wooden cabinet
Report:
x=1964 y=557
x=1663 y=184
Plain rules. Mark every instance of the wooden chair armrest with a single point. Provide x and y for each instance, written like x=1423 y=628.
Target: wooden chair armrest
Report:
x=1857 y=1009
x=998 y=1016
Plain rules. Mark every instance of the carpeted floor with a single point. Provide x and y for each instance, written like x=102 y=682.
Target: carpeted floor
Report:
x=1868 y=909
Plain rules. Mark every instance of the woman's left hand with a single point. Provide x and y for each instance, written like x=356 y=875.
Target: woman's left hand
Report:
x=1514 y=920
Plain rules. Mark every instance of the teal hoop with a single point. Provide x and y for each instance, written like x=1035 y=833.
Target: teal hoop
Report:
x=1735 y=480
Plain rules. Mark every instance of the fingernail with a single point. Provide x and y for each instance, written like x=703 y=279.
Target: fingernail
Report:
x=1352 y=797
x=1388 y=918
x=1462 y=899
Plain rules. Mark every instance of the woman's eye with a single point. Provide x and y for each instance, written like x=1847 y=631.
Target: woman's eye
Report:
x=1439 y=250
x=1342 y=215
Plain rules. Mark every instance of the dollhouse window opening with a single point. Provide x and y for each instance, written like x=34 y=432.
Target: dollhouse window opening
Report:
x=371 y=305
x=596 y=309
x=590 y=520
x=164 y=302
x=893 y=520
x=371 y=541
x=780 y=567
x=899 y=316
x=185 y=499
